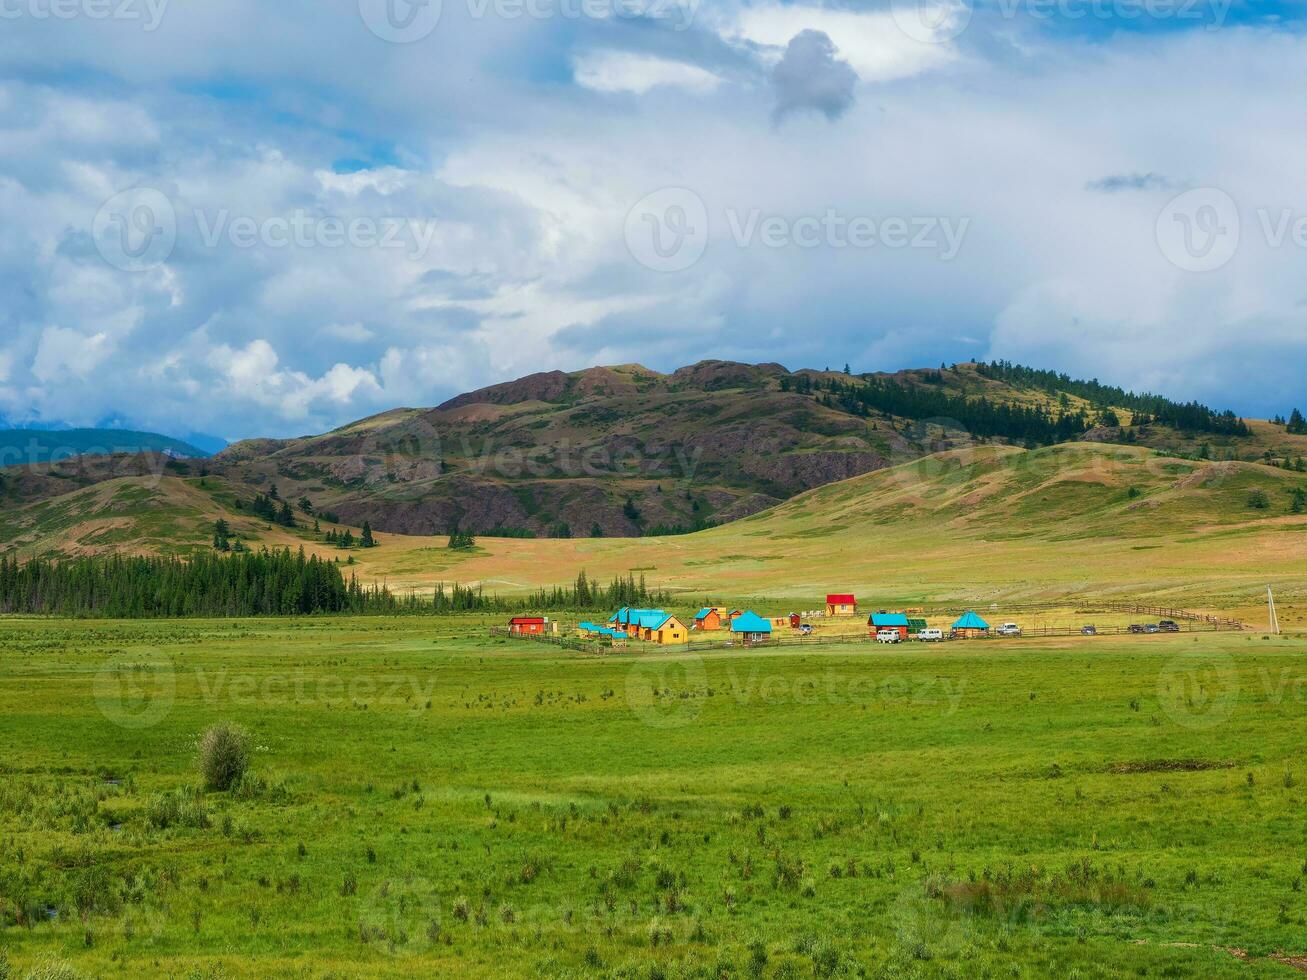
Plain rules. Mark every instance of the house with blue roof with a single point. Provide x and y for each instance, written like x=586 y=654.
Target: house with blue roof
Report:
x=709 y=618
x=888 y=621
x=750 y=627
x=651 y=625
x=969 y=624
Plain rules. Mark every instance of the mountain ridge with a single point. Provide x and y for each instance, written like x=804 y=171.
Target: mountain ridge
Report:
x=624 y=451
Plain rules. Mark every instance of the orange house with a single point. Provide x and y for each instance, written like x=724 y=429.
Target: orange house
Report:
x=841 y=604
x=708 y=618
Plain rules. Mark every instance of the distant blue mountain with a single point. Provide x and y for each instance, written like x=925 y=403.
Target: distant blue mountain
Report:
x=20 y=446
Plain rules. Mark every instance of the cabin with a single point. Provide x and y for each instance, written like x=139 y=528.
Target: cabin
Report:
x=527 y=625
x=751 y=628
x=628 y=620
x=709 y=618
x=662 y=628
x=651 y=625
x=888 y=621
x=841 y=604
x=969 y=625
x=795 y=621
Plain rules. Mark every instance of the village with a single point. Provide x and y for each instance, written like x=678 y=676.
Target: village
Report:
x=842 y=621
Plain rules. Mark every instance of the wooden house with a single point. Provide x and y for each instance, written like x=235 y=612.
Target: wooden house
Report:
x=527 y=625
x=709 y=618
x=662 y=628
x=888 y=621
x=751 y=628
x=841 y=604
x=969 y=625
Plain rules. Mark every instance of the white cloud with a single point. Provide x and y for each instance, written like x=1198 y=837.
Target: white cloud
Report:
x=622 y=71
x=872 y=42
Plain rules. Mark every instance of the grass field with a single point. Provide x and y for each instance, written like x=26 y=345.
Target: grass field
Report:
x=429 y=801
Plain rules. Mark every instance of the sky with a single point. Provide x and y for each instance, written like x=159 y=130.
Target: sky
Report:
x=245 y=219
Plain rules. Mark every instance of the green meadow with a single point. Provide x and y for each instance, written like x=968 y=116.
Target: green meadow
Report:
x=428 y=801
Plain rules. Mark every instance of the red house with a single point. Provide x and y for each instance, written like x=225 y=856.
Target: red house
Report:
x=527 y=624
x=841 y=604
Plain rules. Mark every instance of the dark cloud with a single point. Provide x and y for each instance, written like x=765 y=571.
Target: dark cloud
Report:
x=810 y=76
x=1113 y=183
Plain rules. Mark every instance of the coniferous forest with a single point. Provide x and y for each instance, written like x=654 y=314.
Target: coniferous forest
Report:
x=263 y=583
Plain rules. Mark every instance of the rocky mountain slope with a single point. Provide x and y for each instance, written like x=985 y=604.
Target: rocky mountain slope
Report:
x=625 y=451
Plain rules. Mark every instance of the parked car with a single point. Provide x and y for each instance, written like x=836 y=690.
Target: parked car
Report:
x=1152 y=628
x=888 y=636
x=805 y=630
x=1009 y=629
x=1137 y=628
x=1090 y=630
x=1169 y=626
x=930 y=636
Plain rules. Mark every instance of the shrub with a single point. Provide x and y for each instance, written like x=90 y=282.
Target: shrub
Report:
x=1258 y=500
x=183 y=807
x=224 y=755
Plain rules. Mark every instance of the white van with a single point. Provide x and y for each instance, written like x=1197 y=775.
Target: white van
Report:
x=930 y=636
x=888 y=636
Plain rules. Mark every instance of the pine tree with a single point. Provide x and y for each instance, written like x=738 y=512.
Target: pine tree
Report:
x=221 y=535
x=1296 y=424
x=366 y=540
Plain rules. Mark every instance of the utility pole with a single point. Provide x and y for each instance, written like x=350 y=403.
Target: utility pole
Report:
x=1270 y=607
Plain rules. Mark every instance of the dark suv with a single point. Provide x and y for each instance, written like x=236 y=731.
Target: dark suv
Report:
x=1136 y=628
x=1169 y=626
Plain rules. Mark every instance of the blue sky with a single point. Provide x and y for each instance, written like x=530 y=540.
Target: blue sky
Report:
x=248 y=219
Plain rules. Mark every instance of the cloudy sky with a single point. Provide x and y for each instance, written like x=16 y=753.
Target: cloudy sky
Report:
x=244 y=218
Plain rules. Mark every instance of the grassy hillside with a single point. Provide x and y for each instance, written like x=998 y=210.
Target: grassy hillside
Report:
x=625 y=451
x=971 y=525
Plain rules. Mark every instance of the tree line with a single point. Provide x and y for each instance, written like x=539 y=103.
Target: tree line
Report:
x=262 y=583
x=1146 y=408
x=979 y=416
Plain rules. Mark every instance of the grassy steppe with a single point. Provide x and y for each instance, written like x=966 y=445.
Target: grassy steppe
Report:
x=431 y=802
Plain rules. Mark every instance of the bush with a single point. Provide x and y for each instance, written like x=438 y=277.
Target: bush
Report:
x=182 y=807
x=224 y=755
x=1258 y=500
